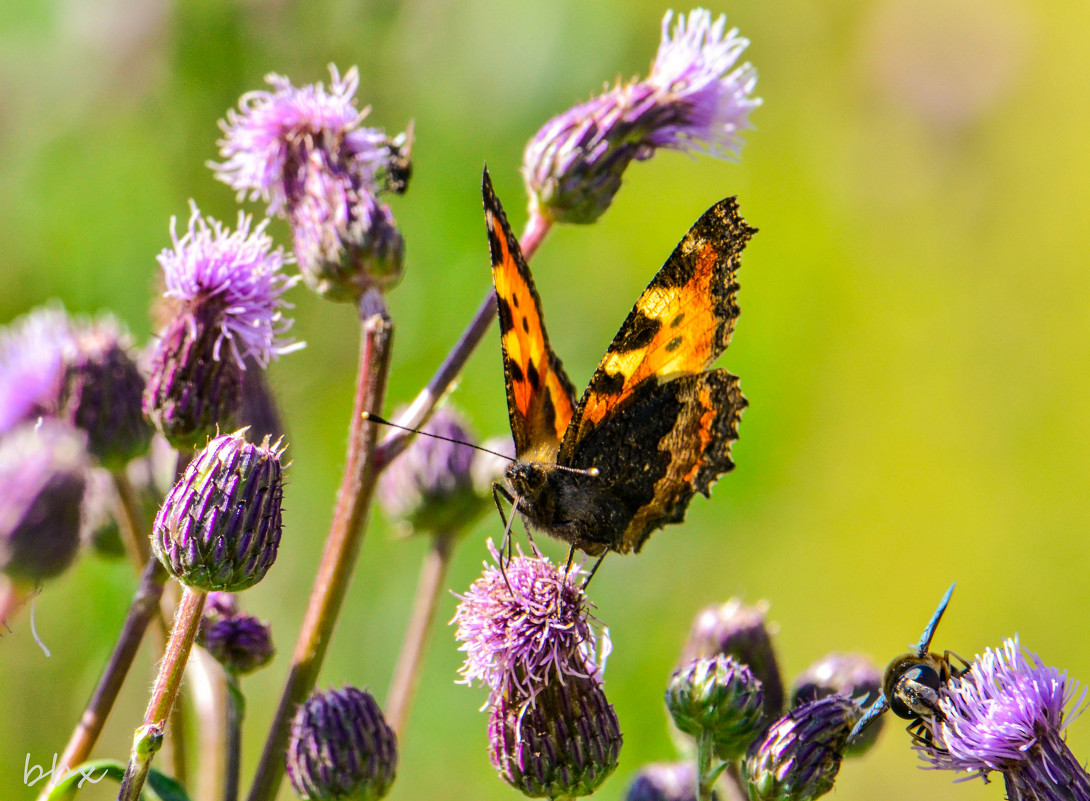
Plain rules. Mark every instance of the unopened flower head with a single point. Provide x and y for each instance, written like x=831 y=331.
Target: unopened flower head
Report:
x=562 y=743
x=240 y=642
x=32 y=365
x=341 y=747
x=852 y=675
x=228 y=286
x=665 y=781
x=42 y=479
x=739 y=630
x=102 y=392
x=799 y=756
x=219 y=528
x=532 y=628
x=430 y=487
x=1008 y=713
x=303 y=150
x=695 y=99
x=721 y=697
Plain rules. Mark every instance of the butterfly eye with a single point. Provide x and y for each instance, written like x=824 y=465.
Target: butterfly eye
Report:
x=915 y=692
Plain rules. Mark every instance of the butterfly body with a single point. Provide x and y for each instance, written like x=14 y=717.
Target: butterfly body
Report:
x=654 y=426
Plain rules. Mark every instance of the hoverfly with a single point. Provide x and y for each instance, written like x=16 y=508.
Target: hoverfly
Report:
x=912 y=683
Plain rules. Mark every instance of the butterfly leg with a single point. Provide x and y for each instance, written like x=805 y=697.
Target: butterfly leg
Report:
x=571 y=555
x=594 y=569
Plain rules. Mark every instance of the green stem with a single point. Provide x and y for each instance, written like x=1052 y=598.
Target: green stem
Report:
x=148 y=738
x=342 y=545
x=706 y=774
x=236 y=710
x=407 y=674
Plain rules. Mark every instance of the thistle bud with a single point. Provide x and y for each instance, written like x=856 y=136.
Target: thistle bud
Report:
x=851 y=675
x=430 y=487
x=102 y=393
x=564 y=742
x=739 y=631
x=341 y=748
x=32 y=352
x=665 y=781
x=241 y=643
x=219 y=528
x=799 y=756
x=42 y=479
x=718 y=696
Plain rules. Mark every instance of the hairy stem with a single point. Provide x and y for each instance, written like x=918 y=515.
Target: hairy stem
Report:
x=164 y=693
x=432 y=579
x=342 y=545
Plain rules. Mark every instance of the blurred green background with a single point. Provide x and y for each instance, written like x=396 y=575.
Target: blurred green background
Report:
x=914 y=340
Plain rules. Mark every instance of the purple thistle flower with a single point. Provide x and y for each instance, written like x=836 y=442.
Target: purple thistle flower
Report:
x=665 y=781
x=1008 y=714
x=239 y=273
x=265 y=138
x=31 y=365
x=851 y=675
x=303 y=151
x=539 y=630
x=691 y=101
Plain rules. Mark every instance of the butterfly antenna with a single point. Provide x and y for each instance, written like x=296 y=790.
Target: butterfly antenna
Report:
x=374 y=418
x=594 y=569
x=593 y=472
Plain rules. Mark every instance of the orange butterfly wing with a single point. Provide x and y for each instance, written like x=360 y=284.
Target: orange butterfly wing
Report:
x=540 y=398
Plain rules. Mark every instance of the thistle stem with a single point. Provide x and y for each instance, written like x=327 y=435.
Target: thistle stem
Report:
x=206 y=684
x=422 y=405
x=149 y=736
x=407 y=674
x=706 y=774
x=133 y=531
x=144 y=607
x=342 y=545
x=236 y=710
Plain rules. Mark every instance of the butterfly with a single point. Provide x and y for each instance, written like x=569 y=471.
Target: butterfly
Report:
x=654 y=426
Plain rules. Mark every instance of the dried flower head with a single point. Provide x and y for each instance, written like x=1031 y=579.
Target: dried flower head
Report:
x=42 y=479
x=303 y=150
x=340 y=747
x=228 y=286
x=527 y=630
x=693 y=100
x=219 y=528
x=799 y=756
x=721 y=697
x=562 y=743
x=1008 y=713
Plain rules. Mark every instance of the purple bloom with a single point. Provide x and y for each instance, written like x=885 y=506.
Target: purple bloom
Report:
x=32 y=365
x=539 y=630
x=1007 y=714
x=239 y=275
x=665 y=781
x=693 y=100
x=303 y=151
x=241 y=642
x=267 y=139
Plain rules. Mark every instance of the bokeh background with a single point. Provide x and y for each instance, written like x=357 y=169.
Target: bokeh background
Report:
x=914 y=340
